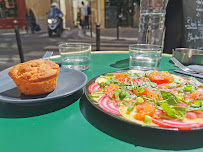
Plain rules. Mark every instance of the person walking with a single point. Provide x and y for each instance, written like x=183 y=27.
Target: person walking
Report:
x=85 y=15
x=30 y=19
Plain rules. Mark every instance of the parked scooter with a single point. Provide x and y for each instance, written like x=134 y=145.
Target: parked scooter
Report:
x=55 y=21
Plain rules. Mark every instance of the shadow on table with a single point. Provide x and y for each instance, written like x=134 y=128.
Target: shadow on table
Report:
x=138 y=135
x=11 y=110
x=121 y=64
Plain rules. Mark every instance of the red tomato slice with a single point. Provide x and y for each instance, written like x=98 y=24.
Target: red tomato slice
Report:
x=196 y=95
x=191 y=115
x=161 y=77
x=122 y=77
x=199 y=114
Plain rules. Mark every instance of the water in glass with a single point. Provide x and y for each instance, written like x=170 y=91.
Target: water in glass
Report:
x=75 y=56
x=144 y=57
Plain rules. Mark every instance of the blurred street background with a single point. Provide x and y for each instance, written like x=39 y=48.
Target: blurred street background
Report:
x=118 y=27
x=118 y=22
x=35 y=45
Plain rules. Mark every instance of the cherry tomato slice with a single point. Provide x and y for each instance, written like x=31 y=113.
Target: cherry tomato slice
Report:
x=161 y=77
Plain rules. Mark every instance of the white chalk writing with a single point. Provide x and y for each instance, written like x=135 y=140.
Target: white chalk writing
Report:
x=199 y=9
x=194 y=27
x=199 y=2
x=194 y=37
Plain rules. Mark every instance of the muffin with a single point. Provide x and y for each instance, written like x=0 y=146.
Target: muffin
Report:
x=35 y=77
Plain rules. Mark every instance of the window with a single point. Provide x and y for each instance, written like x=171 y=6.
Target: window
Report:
x=8 y=9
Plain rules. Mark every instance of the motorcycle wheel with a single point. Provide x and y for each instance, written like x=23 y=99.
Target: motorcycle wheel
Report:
x=50 y=33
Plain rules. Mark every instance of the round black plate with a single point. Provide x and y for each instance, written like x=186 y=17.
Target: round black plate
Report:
x=69 y=81
x=121 y=118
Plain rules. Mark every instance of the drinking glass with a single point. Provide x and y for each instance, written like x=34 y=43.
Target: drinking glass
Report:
x=144 y=57
x=153 y=6
x=152 y=29
x=75 y=55
x=152 y=22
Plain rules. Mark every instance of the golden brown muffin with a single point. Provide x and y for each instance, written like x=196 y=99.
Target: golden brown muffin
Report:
x=35 y=77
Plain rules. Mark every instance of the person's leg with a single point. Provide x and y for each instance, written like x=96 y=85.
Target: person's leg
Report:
x=83 y=22
x=61 y=24
x=86 y=21
x=32 y=27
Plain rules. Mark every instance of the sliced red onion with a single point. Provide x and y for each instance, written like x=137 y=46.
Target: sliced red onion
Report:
x=182 y=104
x=108 y=107
x=176 y=125
x=93 y=86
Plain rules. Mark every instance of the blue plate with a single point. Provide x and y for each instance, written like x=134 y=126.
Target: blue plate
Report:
x=69 y=81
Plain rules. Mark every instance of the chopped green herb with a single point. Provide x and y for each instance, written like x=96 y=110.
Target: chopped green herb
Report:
x=148 y=95
x=198 y=103
x=110 y=98
x=130 y=107
x=194 y=82
x=194 y=105
x=91 y=96
x=116 y=93
x=148 y=73
x=141 y=90
x=110 y=74
x=174 y=84
x=180 y=96
x=148 y=119
x=188 y=88
x=139 y=100
x=194 y=108
x=110 y=102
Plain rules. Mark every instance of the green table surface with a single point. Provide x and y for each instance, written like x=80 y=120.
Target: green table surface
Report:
x=74 y=125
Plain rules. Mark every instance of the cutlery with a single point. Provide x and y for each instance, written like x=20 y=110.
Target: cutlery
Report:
x=47 y=55
x=182 y=67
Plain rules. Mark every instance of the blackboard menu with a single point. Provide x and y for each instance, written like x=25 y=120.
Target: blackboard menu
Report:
x=192 y=24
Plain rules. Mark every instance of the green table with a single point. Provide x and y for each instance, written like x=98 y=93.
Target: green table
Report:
x=77 y=126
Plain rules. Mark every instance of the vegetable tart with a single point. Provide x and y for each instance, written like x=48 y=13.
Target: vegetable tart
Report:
x=151 y=98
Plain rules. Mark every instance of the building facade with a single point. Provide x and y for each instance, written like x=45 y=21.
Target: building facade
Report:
x=11 y=10
x=109 y=13
x=41 y=9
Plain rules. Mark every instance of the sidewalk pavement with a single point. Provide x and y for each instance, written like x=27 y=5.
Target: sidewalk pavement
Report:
x=130 y=34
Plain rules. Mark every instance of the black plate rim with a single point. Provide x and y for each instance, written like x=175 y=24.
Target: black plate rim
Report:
x=31 y=101
x=125 y=120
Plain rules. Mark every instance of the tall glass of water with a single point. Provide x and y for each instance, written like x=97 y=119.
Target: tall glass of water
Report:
x=144 y=57
x=75 y=55
x=152 y=22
